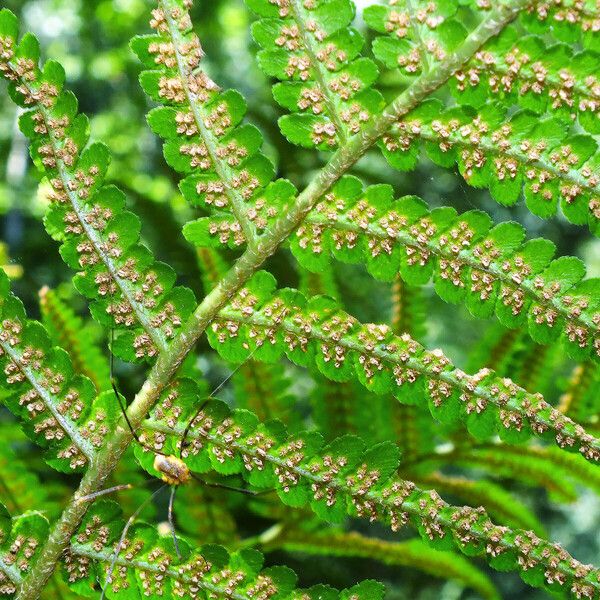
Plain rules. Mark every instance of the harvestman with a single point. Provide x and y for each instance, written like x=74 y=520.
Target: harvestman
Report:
x=173 y=470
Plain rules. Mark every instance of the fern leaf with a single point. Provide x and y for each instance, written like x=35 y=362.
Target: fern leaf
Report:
x=491 y=269
x=212 y=267
x=523 y=70
x=130 y=291
x=59 y=409
x=66 y=329
x=414 y=554
x=568 y=21
x=204 y=138
x=312 y=50
x=20 y=487
x=265 y=390
x=318 y=332
x=150 y=563
x=418 y=34
x=20 y=544
x=345 y=478
x=523 y=153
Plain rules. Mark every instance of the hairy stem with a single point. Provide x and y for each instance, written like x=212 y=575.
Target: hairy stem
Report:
x=248 y=263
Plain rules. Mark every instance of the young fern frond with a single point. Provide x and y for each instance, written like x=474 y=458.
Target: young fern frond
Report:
x=67 y=330
x=130 y=291
x=58 y=408
x=545 y=467
x=149 y=563
x=345 y=478
x=310 y=47
x=414 y=554
x=318 y=332
x=581 y=400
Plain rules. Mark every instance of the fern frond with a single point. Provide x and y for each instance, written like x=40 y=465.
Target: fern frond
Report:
x=150 y=563
x=523 y=70
x=414 y=431
x=346 y=478
x=414 y=554
x=508 y=155
x=417 y=34
x=323 y=283
x=265 y=390
x=58 y=408
x=490 y=269
x=502 y=505
x=21 y=539
x=312 y=49
x=212 y=267
x=66 y=329
x=318 y=332
x=204 y=138
x=130 y=291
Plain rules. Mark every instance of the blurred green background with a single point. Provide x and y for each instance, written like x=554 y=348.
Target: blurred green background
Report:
x=90 y=38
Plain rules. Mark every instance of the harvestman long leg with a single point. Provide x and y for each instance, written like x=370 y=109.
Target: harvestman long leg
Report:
x=121 y=542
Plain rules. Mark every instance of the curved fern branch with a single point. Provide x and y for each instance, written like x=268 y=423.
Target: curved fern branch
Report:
x=131 y=292
x=318 y=331
x=59 y=408
x=491 y=269
x=204 y=138
x=150 y=563
x=346 y=478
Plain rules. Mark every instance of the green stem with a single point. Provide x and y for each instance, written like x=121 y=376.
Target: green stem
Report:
x=168 y=362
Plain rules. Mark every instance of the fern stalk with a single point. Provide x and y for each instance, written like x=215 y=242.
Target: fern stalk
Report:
x=168 y=362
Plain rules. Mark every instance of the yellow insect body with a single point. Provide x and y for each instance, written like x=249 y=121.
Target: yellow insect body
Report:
x=172 y=469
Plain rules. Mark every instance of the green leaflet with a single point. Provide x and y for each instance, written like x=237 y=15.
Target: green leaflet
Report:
x=204 y=135
x=210 y=570
x=568 y=20
x=523 y=70
x=326 y=87
x=21 y=539
x=346 y=478
x=418 y=33
x=318 y=332
x=129 y=290
x=542 y=159
x=490 y=269
x=58 y=408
